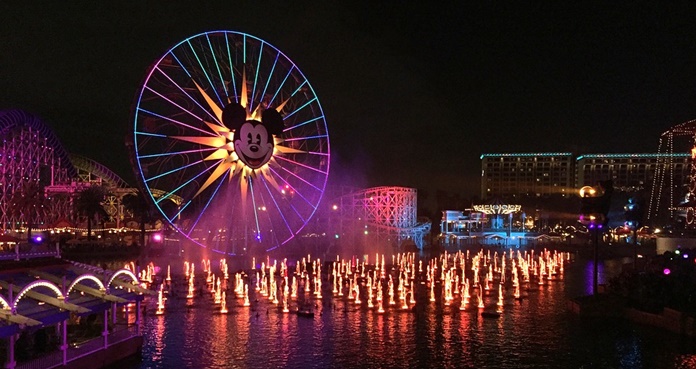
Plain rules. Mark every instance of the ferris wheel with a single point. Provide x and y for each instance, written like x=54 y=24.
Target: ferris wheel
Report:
x=231 y=142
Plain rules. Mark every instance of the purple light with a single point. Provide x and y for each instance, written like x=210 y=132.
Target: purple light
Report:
x=666 y=271
x=258 y=237
x=686 y=256
x=599 y=226
x=591 y=226
x=38 y=238
x=157 y=237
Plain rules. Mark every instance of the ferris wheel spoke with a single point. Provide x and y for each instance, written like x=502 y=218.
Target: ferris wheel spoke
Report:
x=303 y=123
x=195 y=101
x=300 y=178
x=282 y=84
x=205 y=208
x=171 y=193
x=181 y=208
x=300 y=164
x=229 y=58
x=150 y=134
x=181 y=65
x=174 y=121
x=217 y=65
x=256 y=214
x=270 y=76
x=291 y=186
x=205 y=72
x=304 y=138
x=175 y=152
x=300 y=108
x=294 y=209
x=174 y=170
x=256 y=78
x=222 y=168
x=275 y=203
x=272 y=221
x=198 y=118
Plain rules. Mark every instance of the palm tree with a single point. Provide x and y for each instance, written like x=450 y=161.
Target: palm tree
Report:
x=28 y=202
x=138 y=205
x=89 y=204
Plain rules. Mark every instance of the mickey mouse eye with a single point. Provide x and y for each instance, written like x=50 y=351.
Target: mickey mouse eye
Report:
x=249 y=138
x=258 y=138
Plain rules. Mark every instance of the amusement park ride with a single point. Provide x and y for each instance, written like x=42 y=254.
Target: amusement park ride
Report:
x=669 y=199
x=229 y=143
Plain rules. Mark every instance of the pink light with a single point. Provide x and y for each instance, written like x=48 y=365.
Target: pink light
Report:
x=157 y=237
x=666 y=271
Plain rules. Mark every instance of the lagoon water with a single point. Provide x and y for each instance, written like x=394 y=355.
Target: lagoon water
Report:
x=536 y=332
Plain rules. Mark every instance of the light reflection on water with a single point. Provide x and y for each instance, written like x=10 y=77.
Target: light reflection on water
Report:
x=535 y=332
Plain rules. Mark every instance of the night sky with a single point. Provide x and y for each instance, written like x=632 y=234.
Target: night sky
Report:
x=413 y=92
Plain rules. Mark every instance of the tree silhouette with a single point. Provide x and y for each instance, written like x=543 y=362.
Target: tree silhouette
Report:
x=89 y=205
x=138 y=205
x=28 y=202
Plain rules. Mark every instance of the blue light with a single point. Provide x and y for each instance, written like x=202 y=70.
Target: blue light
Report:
x=528 y=154
x=628 y=156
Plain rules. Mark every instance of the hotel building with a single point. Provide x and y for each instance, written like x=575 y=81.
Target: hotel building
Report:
x=526 y=174
x=630 y=172
x=512 y=175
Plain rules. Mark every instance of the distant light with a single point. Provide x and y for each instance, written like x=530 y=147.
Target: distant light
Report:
x=335 y=207
x=365 y=231
x=336 y=235
x=686 y=256
x=38 y=239
x=677 y=251
x=666 y=271
x=157 y=237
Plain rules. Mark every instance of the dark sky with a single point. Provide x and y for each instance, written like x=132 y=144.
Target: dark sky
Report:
x=413 y=92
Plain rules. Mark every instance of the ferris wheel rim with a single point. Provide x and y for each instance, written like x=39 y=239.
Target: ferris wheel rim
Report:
x=325 y=143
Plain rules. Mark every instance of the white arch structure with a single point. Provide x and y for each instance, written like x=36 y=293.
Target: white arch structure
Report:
x=122 y=272
x=37 y=283
x=4 y=304
x=83 y=277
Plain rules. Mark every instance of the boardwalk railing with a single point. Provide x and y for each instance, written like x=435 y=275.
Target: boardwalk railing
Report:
x=55 y=359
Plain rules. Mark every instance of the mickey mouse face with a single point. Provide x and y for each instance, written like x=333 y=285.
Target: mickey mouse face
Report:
x=253 y=140
x=253 y=144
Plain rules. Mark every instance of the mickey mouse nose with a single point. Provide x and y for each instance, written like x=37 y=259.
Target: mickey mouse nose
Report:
x=254 y=148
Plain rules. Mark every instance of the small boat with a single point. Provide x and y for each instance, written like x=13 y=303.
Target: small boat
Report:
x=490 y=314
x=305 y=313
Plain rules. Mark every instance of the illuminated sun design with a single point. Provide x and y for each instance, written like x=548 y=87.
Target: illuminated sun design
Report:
x=223 y=141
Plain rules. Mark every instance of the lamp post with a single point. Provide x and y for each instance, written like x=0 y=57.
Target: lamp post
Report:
x=634 y=216
x=593 y=212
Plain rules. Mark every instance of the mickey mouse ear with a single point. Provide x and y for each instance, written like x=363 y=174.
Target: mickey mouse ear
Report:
x=273 y=121
x=233 y=116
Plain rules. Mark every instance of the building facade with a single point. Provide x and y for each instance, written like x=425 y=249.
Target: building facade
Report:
x=629 y=172
x=512 y=175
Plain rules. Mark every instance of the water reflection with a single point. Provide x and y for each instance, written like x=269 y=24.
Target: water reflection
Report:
x=535 y=331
